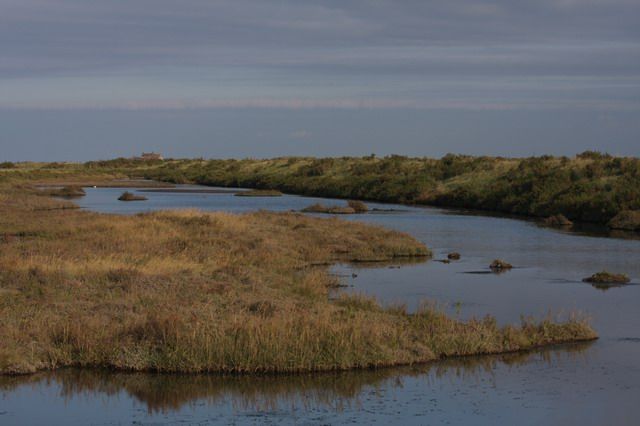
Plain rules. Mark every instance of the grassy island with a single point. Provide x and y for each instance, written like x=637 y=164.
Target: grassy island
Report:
x=187 y=291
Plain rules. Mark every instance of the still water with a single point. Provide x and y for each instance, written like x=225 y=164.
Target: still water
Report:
x=590 y=384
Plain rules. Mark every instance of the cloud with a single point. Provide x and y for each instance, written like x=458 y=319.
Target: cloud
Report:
x=336 y=103
x=466 y=54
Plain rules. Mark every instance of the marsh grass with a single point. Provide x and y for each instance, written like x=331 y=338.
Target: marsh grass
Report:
x=589 y=187
x=358 y=206
x=320 y=208
x=130 y=196
x=70 y=191
x=187 y=291
x=626 y=220
x=558 y=220
x=500 y=265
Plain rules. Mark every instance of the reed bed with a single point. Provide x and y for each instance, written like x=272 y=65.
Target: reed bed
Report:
x=187 y=291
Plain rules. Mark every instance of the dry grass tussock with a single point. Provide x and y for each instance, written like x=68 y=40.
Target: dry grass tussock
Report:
x=186 y=291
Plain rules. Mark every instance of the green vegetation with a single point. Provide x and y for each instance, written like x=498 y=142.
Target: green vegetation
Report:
x=605 y=277
x=591 y=187
x=186 y=291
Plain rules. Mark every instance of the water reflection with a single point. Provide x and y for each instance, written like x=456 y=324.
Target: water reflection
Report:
x=166 y=393
x=578 y=228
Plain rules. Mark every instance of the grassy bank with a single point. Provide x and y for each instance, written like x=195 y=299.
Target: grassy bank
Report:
x=187 y=291
x=590 y=187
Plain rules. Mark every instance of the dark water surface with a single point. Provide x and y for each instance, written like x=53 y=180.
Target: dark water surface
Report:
x=592 y=384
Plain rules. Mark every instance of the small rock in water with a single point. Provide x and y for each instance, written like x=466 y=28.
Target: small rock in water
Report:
x=453 y=256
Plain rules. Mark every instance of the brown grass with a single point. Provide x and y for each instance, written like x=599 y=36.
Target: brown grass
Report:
x=186 y=291
x=70 y=191
x=500 y=265
x=358 y=206
x=627 y=220
x=320 y=208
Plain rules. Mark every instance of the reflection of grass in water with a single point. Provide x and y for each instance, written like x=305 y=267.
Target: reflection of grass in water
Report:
x=162 y=393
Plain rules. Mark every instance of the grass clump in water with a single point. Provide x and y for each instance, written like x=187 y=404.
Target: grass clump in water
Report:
x=358 y=206
x=499 y=265
x=348 y=209
x=605 y=277
x=129 y=196
x=558 y=220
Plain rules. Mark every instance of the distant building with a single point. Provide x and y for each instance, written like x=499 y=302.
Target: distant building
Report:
x=150 y=156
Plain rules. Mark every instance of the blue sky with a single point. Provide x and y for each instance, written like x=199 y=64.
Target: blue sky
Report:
x=84 y=79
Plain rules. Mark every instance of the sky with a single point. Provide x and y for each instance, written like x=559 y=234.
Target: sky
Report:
x=96 y=79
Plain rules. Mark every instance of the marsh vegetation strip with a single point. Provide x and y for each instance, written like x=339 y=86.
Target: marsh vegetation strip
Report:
x=590 y=187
